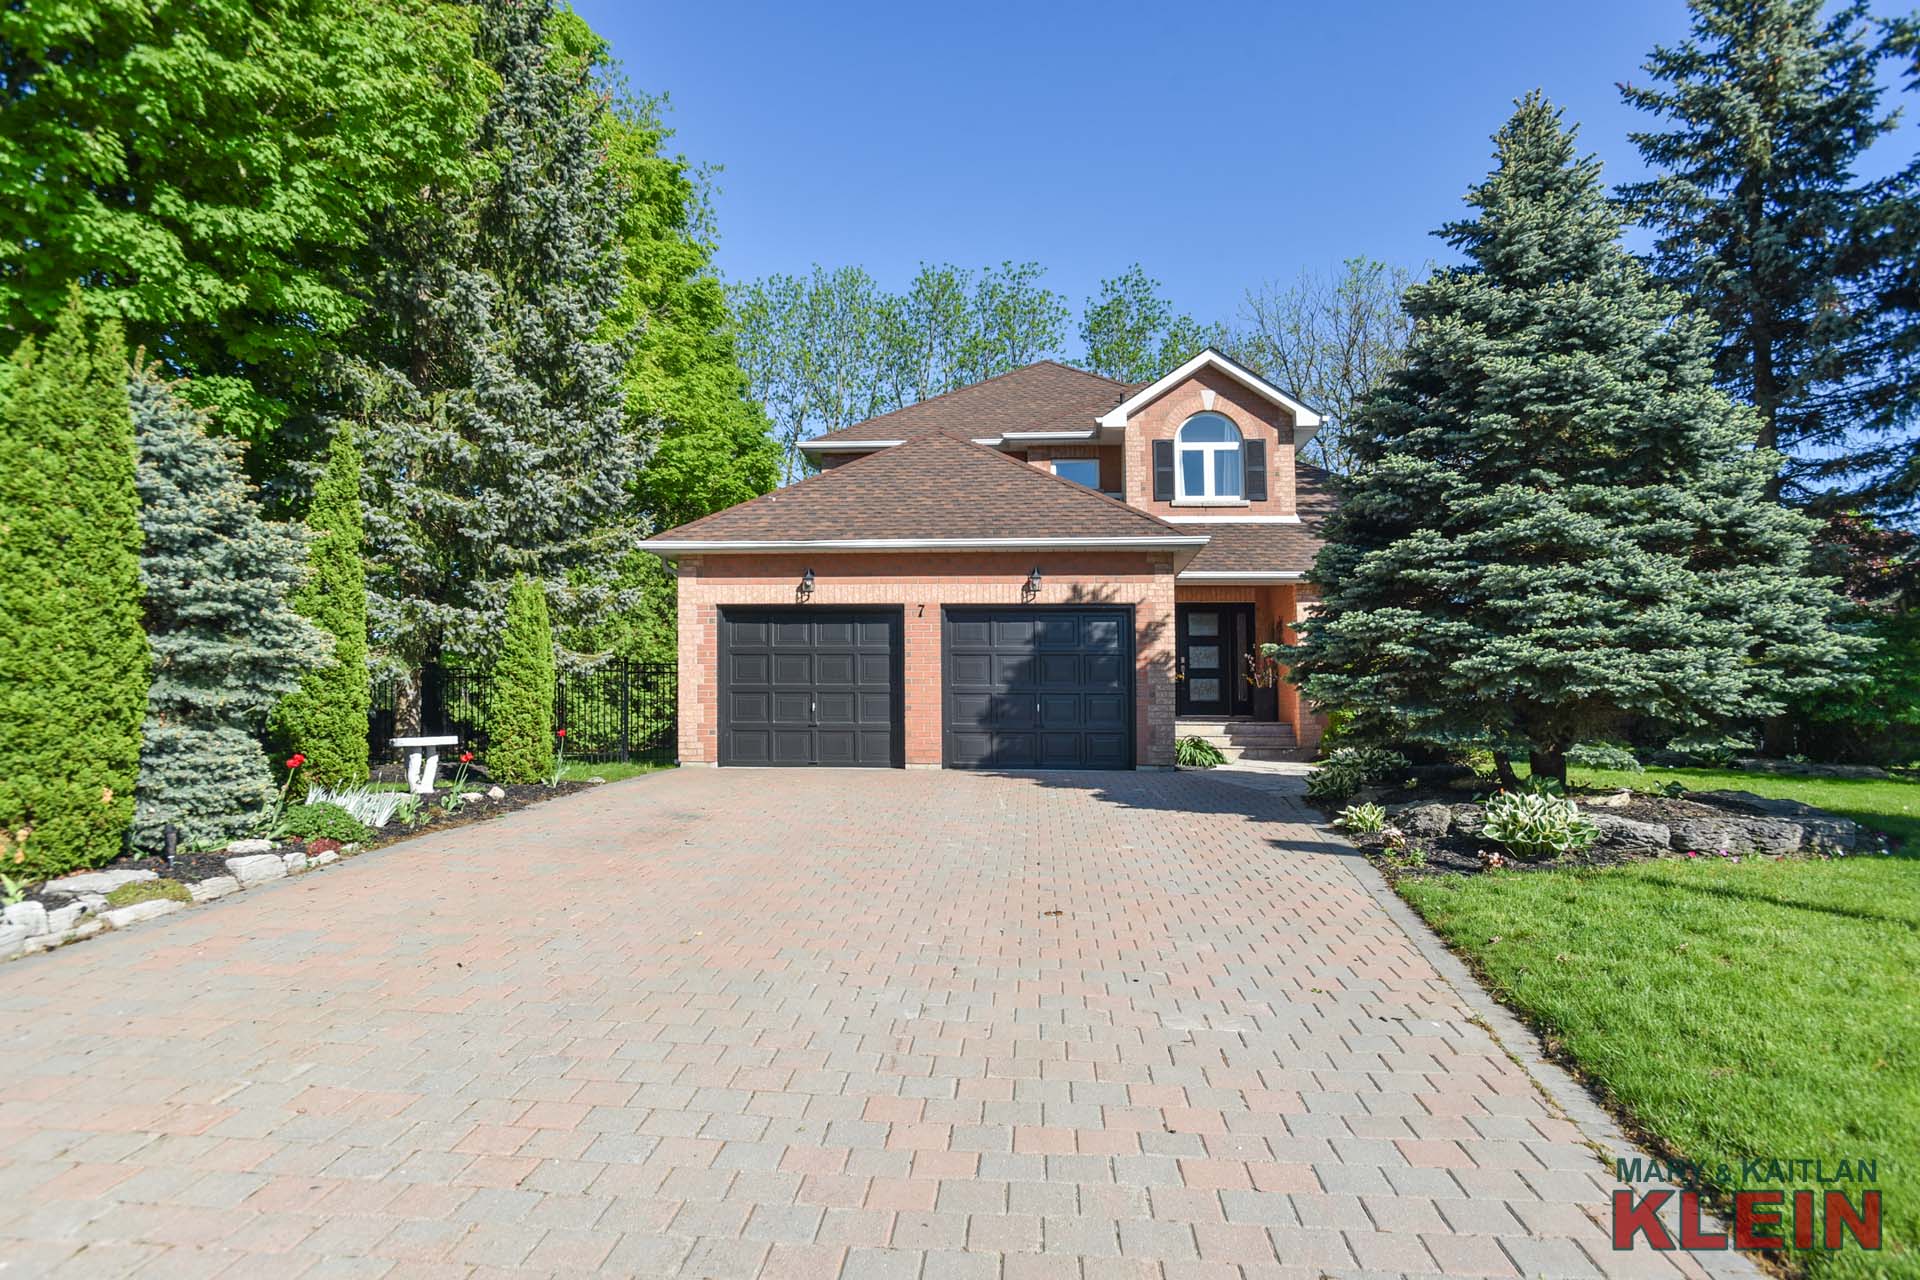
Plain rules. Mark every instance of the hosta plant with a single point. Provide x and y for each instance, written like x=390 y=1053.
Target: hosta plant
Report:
x=1362 y=819
x=1534 y=824
x=1350 y=768
x=1198 y=753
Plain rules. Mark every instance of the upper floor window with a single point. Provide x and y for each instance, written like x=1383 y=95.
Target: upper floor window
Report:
x=1208 y=462
x=1084 y=471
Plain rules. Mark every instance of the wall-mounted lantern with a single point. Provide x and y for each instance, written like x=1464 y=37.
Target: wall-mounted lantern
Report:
x=804 y=592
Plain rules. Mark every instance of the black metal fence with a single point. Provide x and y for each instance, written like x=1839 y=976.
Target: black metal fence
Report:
x=620 y=711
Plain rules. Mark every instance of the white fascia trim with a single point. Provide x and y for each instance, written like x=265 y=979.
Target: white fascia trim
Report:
x=1157 y=542
x=1231 y=519
x=1212 y=575
x=1303 y=417
x=847 y=446
x=1036 y=437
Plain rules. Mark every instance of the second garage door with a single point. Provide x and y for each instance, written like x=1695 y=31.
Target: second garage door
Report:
x=1038 y=688
x=810 y=687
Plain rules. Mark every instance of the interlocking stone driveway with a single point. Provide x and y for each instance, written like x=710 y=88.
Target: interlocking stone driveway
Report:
x=791 y=1024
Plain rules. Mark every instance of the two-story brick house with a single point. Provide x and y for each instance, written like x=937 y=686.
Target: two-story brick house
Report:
x=1048 y=569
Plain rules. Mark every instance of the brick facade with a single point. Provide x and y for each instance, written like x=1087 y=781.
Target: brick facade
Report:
x=1252 y=414
x=921 y=584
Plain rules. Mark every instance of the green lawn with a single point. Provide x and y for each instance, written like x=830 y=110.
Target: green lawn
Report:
x=580 y=771
x=1736 y=1010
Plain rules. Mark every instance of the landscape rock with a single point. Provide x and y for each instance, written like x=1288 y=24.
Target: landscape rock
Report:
x=1626 y=835
x=215 y=887
x=471 y=796
x=96 y=882
x=240 y=848
x=1736 y=834
x=596 y=778
x=324 y=857
x=256 y=869
x=61 y=919
x=295 y=861
x=1469 y=819
x=1805 y=769
x=1618 y=800
x=121 y=917
x=496 y=793
x=60 y=937
x=1432 y=820
x=1817 y=826
x=31 y=916
x=13 y=940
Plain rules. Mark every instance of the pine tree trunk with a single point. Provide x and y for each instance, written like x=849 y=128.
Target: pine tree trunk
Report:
x=1551 y=762
x=1503 y=766
x=406 y=706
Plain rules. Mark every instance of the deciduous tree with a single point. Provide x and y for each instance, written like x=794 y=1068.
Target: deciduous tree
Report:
x=1130 y=332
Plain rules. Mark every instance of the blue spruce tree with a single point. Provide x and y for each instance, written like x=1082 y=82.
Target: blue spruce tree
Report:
x=226 y=643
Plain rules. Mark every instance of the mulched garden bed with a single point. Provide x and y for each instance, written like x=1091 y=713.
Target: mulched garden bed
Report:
x=189 y=868
x=1408 y=850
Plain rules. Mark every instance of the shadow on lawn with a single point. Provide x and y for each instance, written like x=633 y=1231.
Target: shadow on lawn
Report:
x=1191 y=792
x=1740 y=893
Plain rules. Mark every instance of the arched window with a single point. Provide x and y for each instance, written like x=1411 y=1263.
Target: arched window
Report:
x=1208 y=464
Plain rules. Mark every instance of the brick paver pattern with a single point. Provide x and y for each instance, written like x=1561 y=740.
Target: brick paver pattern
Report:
x=795 y=1024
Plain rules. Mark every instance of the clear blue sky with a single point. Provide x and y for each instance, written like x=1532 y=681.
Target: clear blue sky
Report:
x=1218 y=145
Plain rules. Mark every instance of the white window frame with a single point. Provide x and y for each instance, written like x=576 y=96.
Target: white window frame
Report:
x=1207 y=473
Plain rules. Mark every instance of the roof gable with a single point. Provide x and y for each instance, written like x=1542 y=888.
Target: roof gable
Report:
x=1306 y=420
x=935 y=489
x=1044 y=395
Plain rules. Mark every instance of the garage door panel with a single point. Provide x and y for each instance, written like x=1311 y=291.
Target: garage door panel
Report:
x=810 y=687
x=1038 y=688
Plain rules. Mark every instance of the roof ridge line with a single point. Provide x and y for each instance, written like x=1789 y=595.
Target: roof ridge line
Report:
x=1005 y=373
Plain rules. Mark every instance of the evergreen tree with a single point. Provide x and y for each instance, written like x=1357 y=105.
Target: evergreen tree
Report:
x=1759 y=215
x=1892 y=246
x=520 y=736
x=493 y=431
x=325 y=719
x=1558 y=522
x=73 y=662
x=226 y=643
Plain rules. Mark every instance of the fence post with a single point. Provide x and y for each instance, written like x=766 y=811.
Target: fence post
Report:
x=626 y=696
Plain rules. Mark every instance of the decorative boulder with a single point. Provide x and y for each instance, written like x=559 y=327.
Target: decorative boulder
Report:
x=256 y=868
x=1469 y=819
x=496 y=793
x=241 y=847
x=1818 y=828
x=1430 y=820
x=92 y=882
x=1736 y=834
x=1625 y=835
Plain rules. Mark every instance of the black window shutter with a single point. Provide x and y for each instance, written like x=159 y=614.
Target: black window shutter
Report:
x=1256 y=458
x=1163 y=471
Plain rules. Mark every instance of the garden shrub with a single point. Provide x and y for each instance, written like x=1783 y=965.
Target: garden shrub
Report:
x=325 y=719
x=1197 y=753
x=1362 y=819
x=73 y=660
x=520 y=741
x=1350 y=768
x=137 y=891
x=321 y=821
x=1536 y=824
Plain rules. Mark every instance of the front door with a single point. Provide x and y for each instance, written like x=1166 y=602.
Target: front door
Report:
x=1210 y=644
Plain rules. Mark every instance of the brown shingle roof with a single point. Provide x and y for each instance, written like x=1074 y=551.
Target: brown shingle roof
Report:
x=1034 y=397
x=1270 y=548
x=937 y=486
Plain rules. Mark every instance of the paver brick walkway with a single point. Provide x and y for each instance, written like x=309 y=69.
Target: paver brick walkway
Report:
x=796 y=1024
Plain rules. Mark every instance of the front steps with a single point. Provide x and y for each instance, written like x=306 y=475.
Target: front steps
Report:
x=1242 y=739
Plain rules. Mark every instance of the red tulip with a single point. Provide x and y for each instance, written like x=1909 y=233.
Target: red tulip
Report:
x=560 y=732
x=466 y=757
x=296 y=760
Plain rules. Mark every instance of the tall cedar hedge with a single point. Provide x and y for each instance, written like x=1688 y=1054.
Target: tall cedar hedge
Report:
x=73 y=660
x=520 y=742
x=325 y=719
x=217 y=580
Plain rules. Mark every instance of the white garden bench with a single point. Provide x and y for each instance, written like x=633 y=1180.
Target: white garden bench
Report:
x=423 y=760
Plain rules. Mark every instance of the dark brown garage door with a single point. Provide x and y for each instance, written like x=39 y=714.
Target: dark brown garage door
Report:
x=1039 y=688
x=810 y=687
